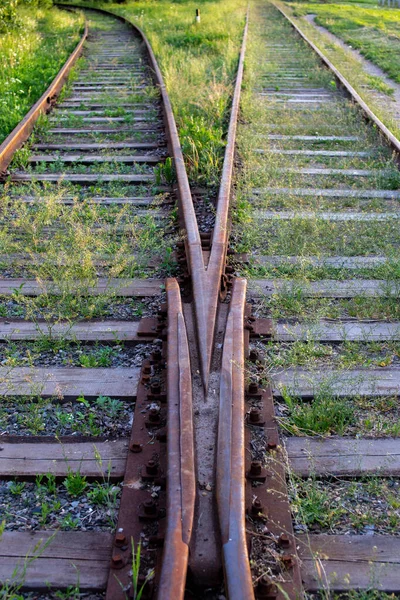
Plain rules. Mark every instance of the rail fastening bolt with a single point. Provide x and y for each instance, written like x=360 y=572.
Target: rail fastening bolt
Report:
x=266 y=588
x=152 y=467
x=154 y=415
x=255 y=467
x=254 y=415
x=287 y=561
x=135 y=447
x=150 y=507
x=284 y=540
x=271 y=445
x=120 y=539
x=253 y=356
x=253 y=387
x=147 y=369
x=156 y=355
x=256 y=507
x=117 y=561
x=155 y=387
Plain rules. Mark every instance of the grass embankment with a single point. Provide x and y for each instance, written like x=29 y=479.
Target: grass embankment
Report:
x=379 y=43
x=31 y=54
x=373 y=30
x=198 y=62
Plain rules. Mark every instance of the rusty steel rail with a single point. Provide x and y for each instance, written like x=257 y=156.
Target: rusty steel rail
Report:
x=221 y=230
x=22 y=131
x=367 y=112
x=181 y=484
x=231 y=483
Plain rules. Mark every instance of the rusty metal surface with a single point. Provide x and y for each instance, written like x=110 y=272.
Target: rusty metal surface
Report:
x=22 y=131
x=219 y=244
x=181 y=485
x=267 y=499
x=368 y=113
x=142 y=507
x=231 y=453
x=150 y=467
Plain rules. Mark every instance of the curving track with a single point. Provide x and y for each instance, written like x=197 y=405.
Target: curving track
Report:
x=206 y=468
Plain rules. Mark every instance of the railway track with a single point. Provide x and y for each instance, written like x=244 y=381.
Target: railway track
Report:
x=185 y=435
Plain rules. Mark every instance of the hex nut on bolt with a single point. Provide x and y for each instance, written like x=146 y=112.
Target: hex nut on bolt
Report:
x=284 y=541
x=150 y=507
x=155 y=388
x=256 y=508
x=117 y=562
x=136 y=448
x=266 y=589
x=152 y=467
x=255 y=468
x=287 y=561
x=254 y=415
x=154 y=415
x=253 y=388
x=120 y=539
x=253 y=356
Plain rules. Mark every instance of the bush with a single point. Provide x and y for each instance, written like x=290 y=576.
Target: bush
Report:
x=8 y=15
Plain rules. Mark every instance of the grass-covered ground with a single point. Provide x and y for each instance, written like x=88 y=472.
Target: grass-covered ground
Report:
x=31 y=54
x=375 y=31
x=198 y=62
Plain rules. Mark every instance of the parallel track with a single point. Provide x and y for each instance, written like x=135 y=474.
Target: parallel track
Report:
x=204 y=473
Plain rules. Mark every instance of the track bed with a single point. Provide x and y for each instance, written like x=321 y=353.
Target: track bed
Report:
x=89 y=234
x=316 y=224
x=244 y=434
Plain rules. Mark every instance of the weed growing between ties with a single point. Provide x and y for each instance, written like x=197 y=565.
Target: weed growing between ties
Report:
x=73 y=504
x=315 y=355
x=293 y=303
x=326 y=415
x=35 y=415
x=11 y=589
x=32 y=52
x=369 y=505
x=304 y=270
x=59 y=351
x=67 y=247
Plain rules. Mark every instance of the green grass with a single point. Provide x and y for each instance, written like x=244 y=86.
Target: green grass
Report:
x=327 y=415
x=347 y=355
x=30 y=57
x=81 y=417
x=339 y=506
x=305 y=271
x=263 y=172
x=313 y=236
x=324 y=415
x=198 y=62
x=372 y=30
x=294 y=303
x=85 y=237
